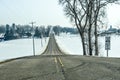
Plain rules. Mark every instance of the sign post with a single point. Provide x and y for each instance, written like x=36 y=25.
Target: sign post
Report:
x=107 y=44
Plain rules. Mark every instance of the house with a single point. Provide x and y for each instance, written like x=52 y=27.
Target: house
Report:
x=112 y=30
x=2 y=37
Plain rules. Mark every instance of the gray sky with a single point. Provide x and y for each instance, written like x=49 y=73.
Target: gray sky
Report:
x=44 y=12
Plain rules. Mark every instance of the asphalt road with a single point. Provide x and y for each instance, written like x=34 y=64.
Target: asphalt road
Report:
x=54 y=64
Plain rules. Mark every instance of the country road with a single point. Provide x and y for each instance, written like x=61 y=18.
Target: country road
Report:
x=54 y=64
x=52 y=47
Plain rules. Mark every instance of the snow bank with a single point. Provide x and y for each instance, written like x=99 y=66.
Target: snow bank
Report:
x=61 y=45
x=44 y=47
x=71 y=44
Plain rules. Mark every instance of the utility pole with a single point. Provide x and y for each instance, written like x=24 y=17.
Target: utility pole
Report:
x=32 y=23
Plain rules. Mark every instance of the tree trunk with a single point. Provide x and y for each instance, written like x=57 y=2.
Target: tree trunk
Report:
x=82 y=35
x=83 y=44
x=89 y=29
x=89 y=42
x=96 y=40
x=96 y=35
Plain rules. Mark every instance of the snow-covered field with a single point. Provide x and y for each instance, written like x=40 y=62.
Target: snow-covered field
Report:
x=20 y=47
x=71 y=44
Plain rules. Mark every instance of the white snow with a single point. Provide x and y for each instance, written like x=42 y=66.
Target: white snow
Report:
x=115 y=44
x=72 y=45
x=20 y=47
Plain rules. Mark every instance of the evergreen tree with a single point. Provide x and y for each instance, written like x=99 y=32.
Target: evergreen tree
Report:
x=6 y=36
x=47 y=31
x=37 y=33
x=9 y=34
x=2 y=29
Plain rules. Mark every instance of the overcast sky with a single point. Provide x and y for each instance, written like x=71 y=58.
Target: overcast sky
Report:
x=113 y=14
x=43 y=12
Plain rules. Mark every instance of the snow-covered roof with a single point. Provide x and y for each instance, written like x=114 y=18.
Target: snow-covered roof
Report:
x=2 y=35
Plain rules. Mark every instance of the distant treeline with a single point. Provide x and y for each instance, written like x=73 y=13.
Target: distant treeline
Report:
x=21 y=31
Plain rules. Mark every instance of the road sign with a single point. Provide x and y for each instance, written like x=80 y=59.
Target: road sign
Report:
x=107 y=43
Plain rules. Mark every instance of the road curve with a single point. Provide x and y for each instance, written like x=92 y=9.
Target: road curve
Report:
x=53 y=64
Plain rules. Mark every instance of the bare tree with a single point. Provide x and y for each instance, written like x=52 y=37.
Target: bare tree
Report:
x=77 y=10
x=98 y=10
x=85 y=14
